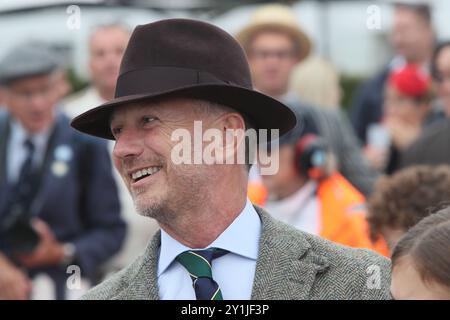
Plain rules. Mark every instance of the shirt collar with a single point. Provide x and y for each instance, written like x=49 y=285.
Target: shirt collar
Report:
x=241 y=238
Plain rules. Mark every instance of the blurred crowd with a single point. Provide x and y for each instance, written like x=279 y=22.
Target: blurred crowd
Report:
x=376 y=178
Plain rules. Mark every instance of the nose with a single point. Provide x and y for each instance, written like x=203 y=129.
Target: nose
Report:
x=38 y=103
x=273 y=59
x=128 y=144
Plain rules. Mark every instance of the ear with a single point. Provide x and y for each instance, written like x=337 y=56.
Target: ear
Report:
x=233 y=130
x=233 y=120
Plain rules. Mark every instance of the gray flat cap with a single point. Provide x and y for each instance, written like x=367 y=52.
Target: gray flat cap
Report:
x=27 y=60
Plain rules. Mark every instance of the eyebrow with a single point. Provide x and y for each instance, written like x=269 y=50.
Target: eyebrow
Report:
x=139 y=106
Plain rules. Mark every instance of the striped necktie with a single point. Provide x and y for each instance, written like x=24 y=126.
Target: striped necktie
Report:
x=198 y=264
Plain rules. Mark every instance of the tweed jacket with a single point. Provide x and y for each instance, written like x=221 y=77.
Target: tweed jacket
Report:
x=291 y=264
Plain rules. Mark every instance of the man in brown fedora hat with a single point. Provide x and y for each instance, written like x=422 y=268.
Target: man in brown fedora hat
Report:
x=275 y=43
x=213 y=243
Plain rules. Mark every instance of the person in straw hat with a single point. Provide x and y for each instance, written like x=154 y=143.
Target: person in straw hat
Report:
x=213 y=243
x=275 y=43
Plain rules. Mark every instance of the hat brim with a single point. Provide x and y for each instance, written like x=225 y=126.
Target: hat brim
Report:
x=264 y=111
x=303 y=41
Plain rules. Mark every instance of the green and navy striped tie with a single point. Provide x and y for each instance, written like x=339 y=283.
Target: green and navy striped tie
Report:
x=198 y=264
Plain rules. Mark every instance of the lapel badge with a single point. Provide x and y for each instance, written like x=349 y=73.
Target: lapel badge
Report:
x=59 y=168
x=63 y=153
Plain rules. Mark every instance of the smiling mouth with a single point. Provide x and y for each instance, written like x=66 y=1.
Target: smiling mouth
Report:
x=143 y=173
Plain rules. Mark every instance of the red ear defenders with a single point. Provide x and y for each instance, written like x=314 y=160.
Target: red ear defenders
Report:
x=312 y=156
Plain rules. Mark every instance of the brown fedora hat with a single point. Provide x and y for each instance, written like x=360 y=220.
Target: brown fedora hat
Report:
x=187 y=58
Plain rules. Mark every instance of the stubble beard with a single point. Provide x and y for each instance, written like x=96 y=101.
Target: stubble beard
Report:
x=187 y=191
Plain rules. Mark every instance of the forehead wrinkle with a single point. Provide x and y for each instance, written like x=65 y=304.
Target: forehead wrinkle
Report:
x=175 y=111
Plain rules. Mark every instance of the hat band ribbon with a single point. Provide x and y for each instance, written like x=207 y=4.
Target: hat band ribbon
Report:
x=161 y=79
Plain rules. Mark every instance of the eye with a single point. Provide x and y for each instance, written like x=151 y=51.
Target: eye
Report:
x=116 y=131
x=148 y=119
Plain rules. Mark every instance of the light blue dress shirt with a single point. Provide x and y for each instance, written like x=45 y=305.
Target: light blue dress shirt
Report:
x=234 y=272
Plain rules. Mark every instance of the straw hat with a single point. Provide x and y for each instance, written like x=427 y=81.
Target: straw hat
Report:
x=278 y=17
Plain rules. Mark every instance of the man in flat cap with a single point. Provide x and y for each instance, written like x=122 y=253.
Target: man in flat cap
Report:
x=58 y=201
x=213 y=244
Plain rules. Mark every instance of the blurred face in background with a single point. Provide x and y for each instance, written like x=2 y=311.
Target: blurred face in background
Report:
x=408 y=284
x=287 y=180
x=271 y=56
x=443 y=81
x=412 y=36
x=403 y=108
x=107 y=46
x=62 y=83
x=32 y=101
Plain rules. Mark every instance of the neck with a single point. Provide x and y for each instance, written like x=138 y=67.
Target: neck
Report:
x=199 y=226
x=292 y=188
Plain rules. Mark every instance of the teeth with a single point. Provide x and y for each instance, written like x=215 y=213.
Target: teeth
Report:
x=144 y=172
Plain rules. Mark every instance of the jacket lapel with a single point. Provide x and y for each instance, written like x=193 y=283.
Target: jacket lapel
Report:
x=287 y=266
x=143 y=284
x=45 y=178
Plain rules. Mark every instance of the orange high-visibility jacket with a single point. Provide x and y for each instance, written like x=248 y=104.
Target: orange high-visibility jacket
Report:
x=257 y=192
x=342 y=214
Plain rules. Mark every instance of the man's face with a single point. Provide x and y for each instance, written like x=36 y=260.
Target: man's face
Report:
x=143 y=145
x=271 y=58
x=443 y=84
x=32 y=101
x=410 y=34
x=106 y=50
